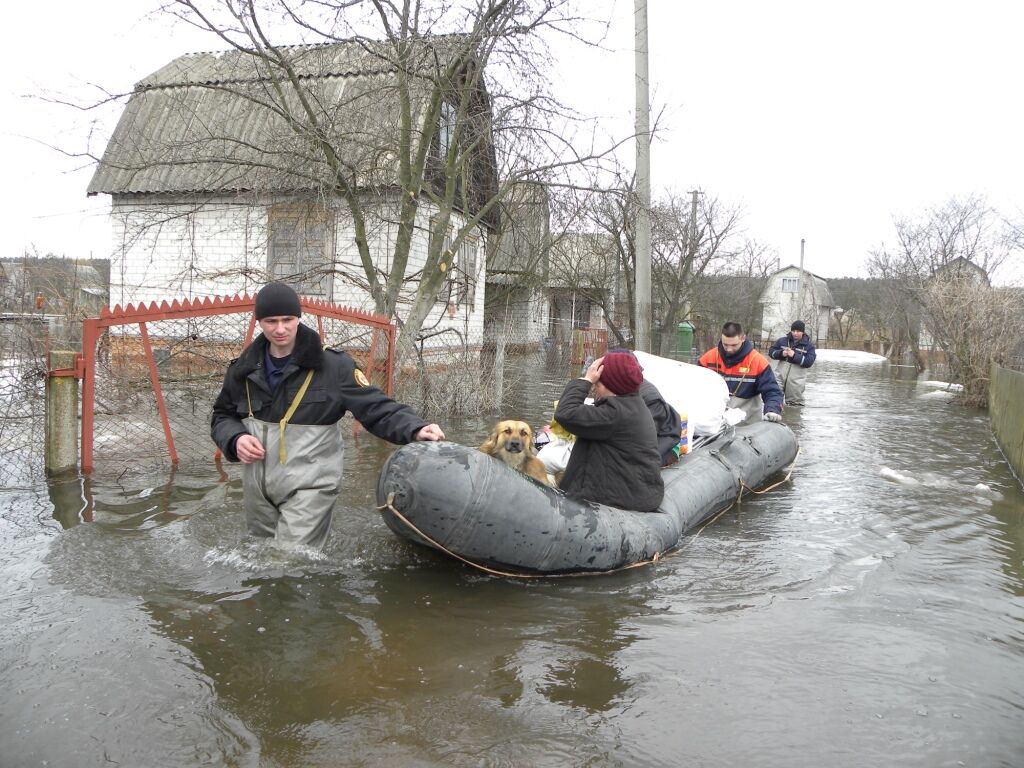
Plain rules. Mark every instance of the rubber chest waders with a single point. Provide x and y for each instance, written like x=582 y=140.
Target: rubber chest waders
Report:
x=290 y=494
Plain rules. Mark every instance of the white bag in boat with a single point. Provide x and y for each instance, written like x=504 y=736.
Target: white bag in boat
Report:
x=555 y=455
x=698 y=393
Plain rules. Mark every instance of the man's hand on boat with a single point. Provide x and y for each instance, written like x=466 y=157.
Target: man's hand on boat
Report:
x=430 y=433
x=773 y=417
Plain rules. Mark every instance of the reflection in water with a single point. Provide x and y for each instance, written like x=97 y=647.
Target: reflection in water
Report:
x=585 y=673
x=884 y=618
x=71 y=496
x=301 y=651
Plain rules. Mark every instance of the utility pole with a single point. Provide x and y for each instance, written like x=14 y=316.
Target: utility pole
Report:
x=693 y=223
x=800 y=286
x=692 y=245
x=643 y=182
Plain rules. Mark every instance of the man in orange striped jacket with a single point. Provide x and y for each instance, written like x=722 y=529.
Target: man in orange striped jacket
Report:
x=747 y=373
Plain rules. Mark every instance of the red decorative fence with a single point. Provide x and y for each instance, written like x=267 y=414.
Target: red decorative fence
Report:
x=151 y=372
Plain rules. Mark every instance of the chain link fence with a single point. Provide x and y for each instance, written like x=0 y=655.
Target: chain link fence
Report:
x=23 y=353
x=190 y=356
x=446 y=372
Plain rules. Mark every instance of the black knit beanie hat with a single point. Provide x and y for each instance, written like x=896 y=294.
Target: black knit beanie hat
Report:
x=798 y=325
x=277 y=300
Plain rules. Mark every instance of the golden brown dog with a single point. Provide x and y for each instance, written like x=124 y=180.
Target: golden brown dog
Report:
x=512 y=443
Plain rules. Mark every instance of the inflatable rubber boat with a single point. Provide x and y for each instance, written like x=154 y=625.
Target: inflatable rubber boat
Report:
x=474 y=508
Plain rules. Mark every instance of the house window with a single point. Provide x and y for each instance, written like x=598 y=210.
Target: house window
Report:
x=461 y=271
x=446 y=129
x=465 y=273
x=789 y=284
x=301 y=247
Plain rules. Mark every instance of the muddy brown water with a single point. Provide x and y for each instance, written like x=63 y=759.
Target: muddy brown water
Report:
x=869 y=613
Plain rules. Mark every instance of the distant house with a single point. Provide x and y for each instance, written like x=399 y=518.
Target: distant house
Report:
x=583 y=282
x=517 y=307
x=960 y=269
x=53 y=285
x=214 y=191
x=791 y=295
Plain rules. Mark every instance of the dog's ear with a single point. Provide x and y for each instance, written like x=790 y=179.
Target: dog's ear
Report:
x=489 y=445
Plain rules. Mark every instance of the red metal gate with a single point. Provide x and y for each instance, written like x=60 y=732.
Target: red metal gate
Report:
x=178 y=352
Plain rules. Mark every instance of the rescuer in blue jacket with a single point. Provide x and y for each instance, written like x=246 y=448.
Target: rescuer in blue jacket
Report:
x=792 y=355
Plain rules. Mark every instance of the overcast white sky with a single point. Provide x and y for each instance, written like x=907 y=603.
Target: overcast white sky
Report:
x=822 y=119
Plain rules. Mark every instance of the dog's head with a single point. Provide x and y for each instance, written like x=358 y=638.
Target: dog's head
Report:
x=510 y=439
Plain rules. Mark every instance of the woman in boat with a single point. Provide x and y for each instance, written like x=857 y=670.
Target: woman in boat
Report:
x=615 y=460
x=666 y=419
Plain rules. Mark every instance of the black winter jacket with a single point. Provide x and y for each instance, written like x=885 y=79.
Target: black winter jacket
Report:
x=615 y=459
x=332 y=392
x=666 y=420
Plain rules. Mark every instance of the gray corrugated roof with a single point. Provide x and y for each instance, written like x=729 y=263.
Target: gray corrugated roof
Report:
x=212 y=122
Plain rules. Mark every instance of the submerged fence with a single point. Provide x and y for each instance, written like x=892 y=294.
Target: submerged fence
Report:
x=150 y=373
x=23 y=366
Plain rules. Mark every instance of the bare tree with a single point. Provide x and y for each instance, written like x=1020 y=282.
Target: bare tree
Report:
x=454 y=112
x=960 y=236
x=732 y=292
x=687 y=246
x=693 y=236
x=974 y=323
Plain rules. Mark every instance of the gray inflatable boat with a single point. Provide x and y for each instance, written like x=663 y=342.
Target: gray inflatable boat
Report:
x=475 y=509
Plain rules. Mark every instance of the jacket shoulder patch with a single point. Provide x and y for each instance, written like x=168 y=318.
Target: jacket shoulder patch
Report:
x=361 y=379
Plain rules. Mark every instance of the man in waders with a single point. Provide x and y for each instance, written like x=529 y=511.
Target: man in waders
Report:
x=278 y=414
x=747 y=373
x=792 y=355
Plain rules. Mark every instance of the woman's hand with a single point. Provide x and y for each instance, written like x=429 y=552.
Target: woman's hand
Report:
x=593 y=374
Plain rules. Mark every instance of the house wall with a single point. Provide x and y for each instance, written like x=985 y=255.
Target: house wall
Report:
x=170 y=248
x=174 y=248
x=519 y=314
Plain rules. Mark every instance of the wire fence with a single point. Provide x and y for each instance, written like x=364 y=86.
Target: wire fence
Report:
x=154 y=382
x=23 y=353
x=446 y=373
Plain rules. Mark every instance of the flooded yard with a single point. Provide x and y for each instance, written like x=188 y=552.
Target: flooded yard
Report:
x=870 y=612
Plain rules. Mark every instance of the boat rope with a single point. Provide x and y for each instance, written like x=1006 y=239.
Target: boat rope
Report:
x=744 y=486
x=389 y=505
x=789 y=474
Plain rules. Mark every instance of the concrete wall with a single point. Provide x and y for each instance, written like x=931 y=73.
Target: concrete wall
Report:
x=1006 y=409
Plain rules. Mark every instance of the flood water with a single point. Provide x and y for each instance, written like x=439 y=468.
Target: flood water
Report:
x=869 y=613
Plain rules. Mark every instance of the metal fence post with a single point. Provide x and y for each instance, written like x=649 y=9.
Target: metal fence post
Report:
x=61 y=413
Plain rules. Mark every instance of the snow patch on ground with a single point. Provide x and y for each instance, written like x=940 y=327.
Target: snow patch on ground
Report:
x=849 y=356
x=943 y=385
x=937 y=394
